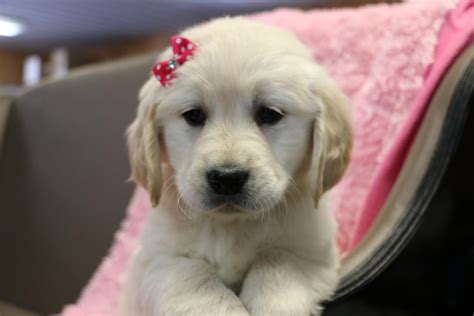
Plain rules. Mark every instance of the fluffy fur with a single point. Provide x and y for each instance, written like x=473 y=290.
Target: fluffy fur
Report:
x=271 y=253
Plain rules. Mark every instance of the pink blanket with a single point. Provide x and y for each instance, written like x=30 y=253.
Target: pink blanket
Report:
x=388 y=59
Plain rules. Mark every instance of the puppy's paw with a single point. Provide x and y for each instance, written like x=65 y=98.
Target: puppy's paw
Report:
x=202 y=304
x=263 y=304
x=237 y=311
x=280 y=310
x=227 y=310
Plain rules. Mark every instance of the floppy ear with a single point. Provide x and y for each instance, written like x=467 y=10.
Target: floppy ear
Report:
x=143 y=147
x=332 y=138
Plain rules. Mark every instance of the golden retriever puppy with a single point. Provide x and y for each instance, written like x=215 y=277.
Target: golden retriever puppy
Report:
x=236 y=153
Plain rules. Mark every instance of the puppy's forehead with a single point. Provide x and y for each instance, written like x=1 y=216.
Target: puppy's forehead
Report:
x=238 y=60
x=236 y=53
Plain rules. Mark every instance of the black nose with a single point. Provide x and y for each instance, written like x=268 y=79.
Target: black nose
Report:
x=227 y=181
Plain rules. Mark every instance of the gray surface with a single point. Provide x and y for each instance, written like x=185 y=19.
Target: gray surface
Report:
x=63 y=187
x=11 y=310
x=74 y=22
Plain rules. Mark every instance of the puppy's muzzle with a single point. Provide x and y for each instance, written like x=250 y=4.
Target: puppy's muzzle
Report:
x=227 y=181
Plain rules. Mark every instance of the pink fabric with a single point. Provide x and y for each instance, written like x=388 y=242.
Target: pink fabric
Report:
x=383 y=57
x=456 y=33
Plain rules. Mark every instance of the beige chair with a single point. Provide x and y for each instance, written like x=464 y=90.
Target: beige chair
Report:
x=63 y=180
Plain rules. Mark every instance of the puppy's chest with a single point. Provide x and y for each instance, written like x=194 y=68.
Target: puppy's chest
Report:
x=230 y=250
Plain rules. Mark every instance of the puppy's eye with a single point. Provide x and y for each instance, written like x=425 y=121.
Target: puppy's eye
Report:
x=195 y=117
x=266 y=115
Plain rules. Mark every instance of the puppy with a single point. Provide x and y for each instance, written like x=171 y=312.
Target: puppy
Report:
x=238 y=150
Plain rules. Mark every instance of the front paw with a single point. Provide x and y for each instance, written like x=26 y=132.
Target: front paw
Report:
x=281 y=311
x=237 y=311
x=208 y=310
x=197 y=305
x=272 y=304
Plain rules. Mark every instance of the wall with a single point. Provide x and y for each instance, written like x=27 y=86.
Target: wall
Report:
x=11 y=67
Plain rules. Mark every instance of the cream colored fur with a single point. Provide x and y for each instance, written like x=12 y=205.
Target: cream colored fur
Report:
x=277 y=255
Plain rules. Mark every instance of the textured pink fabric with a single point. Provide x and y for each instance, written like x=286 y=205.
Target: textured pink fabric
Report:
x=456 y=33
x=383 y=58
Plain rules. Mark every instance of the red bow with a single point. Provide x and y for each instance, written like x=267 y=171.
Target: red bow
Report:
x=183 y=49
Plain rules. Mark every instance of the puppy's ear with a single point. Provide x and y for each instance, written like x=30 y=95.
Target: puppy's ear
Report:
x=143 y=148
x=332 y=138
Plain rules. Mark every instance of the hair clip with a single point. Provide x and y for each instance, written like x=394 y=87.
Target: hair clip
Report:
x=183 y=50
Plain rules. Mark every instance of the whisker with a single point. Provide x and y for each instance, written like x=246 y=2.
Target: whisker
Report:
x=183 y=211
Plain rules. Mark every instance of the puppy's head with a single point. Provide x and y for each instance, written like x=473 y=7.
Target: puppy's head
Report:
x=248 y=116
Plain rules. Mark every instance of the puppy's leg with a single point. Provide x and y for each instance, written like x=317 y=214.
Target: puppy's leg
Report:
x=166 y=285
x=280 y=283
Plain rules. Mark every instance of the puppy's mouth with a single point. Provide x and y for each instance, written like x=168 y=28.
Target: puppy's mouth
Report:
x=229 y=209
x=229 y=204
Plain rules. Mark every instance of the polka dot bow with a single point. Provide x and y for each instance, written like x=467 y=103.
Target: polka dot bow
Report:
x=183 y=49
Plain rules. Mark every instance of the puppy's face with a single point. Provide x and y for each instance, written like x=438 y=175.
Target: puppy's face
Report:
x=244 y=118
x=234 y=149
